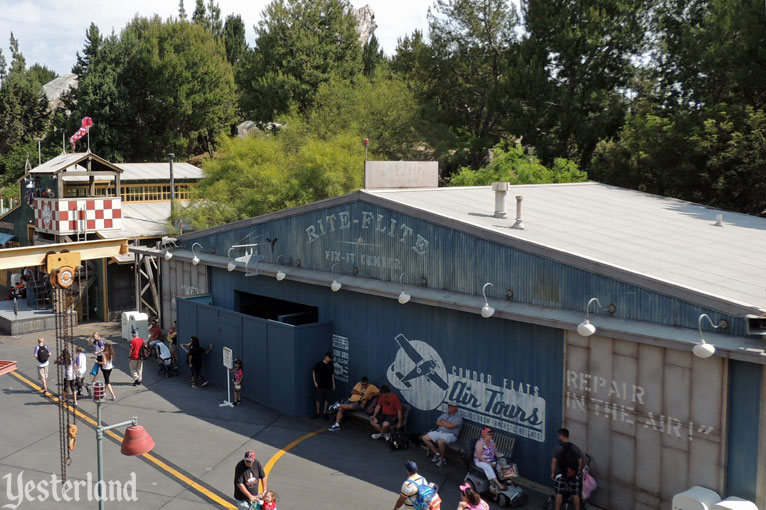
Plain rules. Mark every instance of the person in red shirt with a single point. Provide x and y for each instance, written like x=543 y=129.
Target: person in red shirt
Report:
x=156 y=333
x=136 y=363
x=388 y=412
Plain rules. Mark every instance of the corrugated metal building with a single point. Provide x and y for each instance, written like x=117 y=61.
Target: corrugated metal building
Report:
x=655 y=417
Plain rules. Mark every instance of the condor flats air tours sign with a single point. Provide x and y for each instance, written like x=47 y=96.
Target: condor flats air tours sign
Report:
x=427 y=383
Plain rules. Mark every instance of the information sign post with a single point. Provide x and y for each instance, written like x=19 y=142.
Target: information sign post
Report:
x=228 y=363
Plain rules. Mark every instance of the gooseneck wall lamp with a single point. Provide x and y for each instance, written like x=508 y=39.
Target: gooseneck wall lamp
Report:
x=335 y=285
x=404 y=298
x=280 y=274
x=585 y=328
x=703 y=349
x=231 y=265
x=486 y=310
x=195 y=260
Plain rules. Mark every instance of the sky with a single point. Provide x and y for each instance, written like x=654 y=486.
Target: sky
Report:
x=50 y=32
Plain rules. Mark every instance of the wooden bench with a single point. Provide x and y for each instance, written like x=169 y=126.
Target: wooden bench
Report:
x=504 y=443
x=361 y=416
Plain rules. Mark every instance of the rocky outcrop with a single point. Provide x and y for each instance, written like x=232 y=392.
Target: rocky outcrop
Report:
x=55 y=88
x=365 y=23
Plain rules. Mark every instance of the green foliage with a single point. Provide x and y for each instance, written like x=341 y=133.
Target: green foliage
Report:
x=301 y=44
x=372 y=56
x=461 y=72
x=23 y=113
x=260 y=174
x=513 y=166
x=234 y=38
x=383 y=110
x=160 y=87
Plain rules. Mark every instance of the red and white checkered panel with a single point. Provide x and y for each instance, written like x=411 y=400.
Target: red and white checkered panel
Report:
x=73 y=215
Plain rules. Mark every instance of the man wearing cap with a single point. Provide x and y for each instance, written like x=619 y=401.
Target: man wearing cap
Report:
x=135 y=362
x=409 y=492
x=247 y=476
x=324 y=382
x=448 y=429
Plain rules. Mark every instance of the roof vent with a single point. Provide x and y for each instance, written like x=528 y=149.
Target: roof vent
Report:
x=518 y=224
x=718 y=220
x=500 y=189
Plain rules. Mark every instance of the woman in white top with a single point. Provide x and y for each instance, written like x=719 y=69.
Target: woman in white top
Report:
x=81 y=362
x=107 y=365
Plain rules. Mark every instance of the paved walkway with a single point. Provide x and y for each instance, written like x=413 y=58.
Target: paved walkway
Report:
x=198 y=444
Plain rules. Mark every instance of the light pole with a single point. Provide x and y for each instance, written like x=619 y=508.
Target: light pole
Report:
x=172 y=184
x=137 y=441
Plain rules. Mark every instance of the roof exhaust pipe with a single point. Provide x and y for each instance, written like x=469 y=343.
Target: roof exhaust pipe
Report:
x=500 y=189
x=518 y=224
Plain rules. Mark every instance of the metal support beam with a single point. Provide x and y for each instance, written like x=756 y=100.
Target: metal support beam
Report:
x=30 y=256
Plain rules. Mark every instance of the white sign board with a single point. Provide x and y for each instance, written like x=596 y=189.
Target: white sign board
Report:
x=228 y=359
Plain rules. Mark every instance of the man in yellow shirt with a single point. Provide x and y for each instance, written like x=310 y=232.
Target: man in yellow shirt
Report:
x=362 y=392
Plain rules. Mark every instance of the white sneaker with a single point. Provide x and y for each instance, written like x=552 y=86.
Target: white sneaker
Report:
x=436 y=458
x=387 y=436
x=441 y=462
x=376 y=435
x=334 y=428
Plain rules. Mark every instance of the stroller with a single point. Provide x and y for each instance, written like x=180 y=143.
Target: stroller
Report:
x=512 y=495
x=166 y=365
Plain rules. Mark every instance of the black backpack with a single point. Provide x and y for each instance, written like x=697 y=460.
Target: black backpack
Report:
x=145 y=352
x=570 y=462
x=43 y=353
x=399 y=440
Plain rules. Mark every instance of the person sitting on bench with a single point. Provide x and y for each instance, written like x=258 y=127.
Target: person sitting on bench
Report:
x=361 y=393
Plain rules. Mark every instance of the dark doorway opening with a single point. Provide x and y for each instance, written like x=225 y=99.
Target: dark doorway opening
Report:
x=276 y=309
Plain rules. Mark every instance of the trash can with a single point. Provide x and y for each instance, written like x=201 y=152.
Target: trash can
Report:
x=135 y=320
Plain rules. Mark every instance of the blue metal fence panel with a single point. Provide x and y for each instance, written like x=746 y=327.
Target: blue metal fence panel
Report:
x=379 y=243
x=505 y=374
x=743 y=419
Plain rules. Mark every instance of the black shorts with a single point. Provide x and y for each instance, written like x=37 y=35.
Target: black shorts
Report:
x=390 y=418
x=564 y=485
x=323 y=394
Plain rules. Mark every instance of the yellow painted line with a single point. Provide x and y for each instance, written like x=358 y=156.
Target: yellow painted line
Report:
x=273 y=460
x=151 y=458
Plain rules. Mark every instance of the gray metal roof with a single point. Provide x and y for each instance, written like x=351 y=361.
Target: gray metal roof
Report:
x=70 y=161
x=142 y=219
x=158 y=171
x=654 y=241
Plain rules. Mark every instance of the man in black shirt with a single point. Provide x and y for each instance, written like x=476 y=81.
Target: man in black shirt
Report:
x=324 y=382
x=247 y=475
x=566 y=470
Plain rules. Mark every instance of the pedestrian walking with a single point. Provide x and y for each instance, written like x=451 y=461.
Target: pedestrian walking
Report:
x=195 y=353
x=42 y=353
x=81 y=362
x=136 y=361
x=107 y=364
x=248 y=475
x=98 y=351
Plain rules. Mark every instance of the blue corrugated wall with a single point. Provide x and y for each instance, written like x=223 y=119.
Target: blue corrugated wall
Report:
x=511 y=354
x=449 y=260
x=744 y=411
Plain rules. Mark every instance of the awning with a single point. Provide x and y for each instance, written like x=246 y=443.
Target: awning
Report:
x=5 y=237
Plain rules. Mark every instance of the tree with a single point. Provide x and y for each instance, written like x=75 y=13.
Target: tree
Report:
x=181 y=10
x=259 y=174
x=372 y=56
x=234 y=38
x=159 y=87
x=23 y=112
x=510 y=164
x=382 y=109
x=461 y=73
x=582 y=54
x=300 y=45
x=93 y=41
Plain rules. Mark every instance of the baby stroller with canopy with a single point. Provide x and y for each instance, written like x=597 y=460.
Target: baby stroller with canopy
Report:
x=166 y=365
